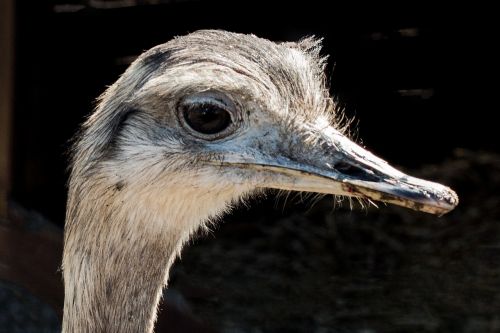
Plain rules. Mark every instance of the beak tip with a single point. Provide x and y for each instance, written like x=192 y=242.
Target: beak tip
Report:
x=444 y=201
x=436 y=199
x=451 y=199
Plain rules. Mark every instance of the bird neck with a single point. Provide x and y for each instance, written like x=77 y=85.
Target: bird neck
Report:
x=118 y=292
x=117 y=255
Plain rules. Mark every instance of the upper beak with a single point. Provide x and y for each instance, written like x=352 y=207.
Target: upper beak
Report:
x=336 y=165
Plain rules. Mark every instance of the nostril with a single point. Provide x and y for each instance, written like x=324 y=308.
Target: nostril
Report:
x=349 y=170
x=342 y=167
x=355 y=172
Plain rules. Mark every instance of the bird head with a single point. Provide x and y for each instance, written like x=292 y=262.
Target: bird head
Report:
x=213 y=116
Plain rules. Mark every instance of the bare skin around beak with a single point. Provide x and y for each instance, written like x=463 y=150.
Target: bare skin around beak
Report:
x=336 y=165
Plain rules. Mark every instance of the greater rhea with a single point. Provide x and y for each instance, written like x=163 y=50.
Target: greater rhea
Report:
x=192 y=127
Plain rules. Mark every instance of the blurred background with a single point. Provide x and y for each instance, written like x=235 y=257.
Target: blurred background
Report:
x=417 y=81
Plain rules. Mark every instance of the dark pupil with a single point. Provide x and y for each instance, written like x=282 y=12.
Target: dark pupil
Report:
x=206 y=118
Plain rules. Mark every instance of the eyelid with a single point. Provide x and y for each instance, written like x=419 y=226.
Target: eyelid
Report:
x=206 y=100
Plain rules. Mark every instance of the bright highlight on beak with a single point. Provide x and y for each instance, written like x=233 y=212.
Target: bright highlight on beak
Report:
x=336 y=165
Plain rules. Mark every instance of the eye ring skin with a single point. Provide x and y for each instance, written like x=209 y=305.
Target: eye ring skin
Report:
x=213 y=98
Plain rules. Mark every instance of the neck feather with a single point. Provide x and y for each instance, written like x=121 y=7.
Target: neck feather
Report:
x=120 y=242
x=117 y=255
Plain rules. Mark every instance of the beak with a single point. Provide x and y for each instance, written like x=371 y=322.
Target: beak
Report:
x=336 y=165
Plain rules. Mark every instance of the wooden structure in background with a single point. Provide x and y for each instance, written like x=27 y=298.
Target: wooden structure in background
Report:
x=6 y=92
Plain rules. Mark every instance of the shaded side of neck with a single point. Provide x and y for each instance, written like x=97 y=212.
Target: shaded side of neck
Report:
x=115 y=265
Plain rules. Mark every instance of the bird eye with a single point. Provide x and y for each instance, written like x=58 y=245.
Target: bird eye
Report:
x=207 y=118
x=207 y=115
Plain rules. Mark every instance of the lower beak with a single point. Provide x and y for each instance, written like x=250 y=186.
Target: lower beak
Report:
x=339 y=166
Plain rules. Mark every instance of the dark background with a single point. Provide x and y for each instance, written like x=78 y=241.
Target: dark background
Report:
x=413 y=76
x=419 y=80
